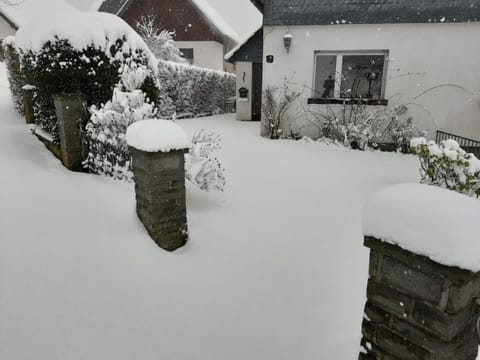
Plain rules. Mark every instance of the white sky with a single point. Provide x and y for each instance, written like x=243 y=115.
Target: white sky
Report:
x=240 y=14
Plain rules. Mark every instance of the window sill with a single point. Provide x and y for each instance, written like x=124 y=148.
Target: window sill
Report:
x=328 y=101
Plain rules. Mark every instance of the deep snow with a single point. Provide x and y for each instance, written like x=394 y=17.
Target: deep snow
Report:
x=427 y=220
x=275 y=268
x=155 y=135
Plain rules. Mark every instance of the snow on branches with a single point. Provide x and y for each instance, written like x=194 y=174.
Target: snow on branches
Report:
x=105 y=135
x=160 y=41
x=202 y=169
x=448 y=166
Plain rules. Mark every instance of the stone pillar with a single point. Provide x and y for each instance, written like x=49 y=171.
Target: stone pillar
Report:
x=160 y=193
x=71 y=111
x=418 y=309
x=28 y=104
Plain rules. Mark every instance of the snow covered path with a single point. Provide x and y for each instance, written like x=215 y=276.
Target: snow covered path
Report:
x=275 y=269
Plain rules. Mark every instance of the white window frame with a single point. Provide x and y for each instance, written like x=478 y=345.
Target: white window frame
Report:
x=339 y=66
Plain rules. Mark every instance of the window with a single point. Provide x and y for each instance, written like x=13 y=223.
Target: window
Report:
x=350 y=76
x=187 y=55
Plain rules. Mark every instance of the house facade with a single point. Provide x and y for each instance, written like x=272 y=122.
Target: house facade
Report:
x=248 y=60
x=200 y=31
x=384 y=53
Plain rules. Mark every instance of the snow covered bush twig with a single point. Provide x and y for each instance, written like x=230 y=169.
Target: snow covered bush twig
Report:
x=447 y=165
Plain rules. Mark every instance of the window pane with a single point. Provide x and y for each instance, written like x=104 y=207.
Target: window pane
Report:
x=362 y=76
x=326 y=66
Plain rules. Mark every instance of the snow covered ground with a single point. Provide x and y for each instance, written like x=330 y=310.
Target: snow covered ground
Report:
x=275 y=268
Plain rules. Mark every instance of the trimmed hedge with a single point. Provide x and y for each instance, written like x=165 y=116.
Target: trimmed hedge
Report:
x=16 y=78
x=196 y=90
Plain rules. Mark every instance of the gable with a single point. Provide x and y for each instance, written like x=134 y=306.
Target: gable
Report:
x=326 y=12
x=181 y=16
x=197 y=11
x=250 y=51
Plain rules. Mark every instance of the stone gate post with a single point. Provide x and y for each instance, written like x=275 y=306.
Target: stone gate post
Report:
x=71 y=111
x=158 y=150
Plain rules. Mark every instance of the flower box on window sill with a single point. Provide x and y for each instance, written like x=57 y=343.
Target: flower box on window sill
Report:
x=331 y=101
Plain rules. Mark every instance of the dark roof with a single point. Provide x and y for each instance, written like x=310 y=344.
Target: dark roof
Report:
x=323 y=12
x=250 y=51
x=113 y=6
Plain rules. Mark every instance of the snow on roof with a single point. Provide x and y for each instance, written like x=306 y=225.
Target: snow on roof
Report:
x=83 y=29
x=240 y=44
x=86 y=5
x=427 y=220
x=157 y=135
x=21 y=12
x=216 y=19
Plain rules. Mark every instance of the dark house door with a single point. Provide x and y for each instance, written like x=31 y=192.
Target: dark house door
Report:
x=257 y=75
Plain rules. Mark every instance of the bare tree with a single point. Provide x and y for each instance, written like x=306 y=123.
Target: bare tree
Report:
x=160 y=41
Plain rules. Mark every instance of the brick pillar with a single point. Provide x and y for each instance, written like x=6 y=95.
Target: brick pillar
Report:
x=28 y=104
x=160 y=193
x=418 y=309
x=71 y=111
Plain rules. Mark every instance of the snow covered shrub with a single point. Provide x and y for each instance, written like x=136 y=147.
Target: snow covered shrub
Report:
x=83 y=52
x=274 y=109
x=196 y=90
x=159 y=41
x=16 y=78
x=107 y=150
x=201 y=168
x=447 y=165
x=358 y=126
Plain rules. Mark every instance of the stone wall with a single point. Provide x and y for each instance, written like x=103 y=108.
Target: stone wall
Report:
x=418 y=309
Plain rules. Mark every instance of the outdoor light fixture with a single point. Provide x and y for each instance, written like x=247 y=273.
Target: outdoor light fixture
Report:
x=287 y=41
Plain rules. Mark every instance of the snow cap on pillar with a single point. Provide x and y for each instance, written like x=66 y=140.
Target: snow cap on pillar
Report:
x=157 y=135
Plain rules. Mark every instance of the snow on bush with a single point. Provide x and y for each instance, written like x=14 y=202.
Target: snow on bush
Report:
x=104 y=137
x=81 y=52
x=16 y=78
x=202 y=169
x=101 y=31
x=106 y=141
x=447 y=165
x=357 y=126
x=156 y=135
x=194 y=90
x=427 y=220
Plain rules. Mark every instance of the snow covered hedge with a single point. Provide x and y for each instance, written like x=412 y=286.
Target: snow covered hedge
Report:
x=81 y=52
x=195 y=90
x=16 y=78
x=447 y=165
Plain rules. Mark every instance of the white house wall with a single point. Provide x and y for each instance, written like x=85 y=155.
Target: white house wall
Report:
x=244 y=79
x=206 y=54
x=422 y=56
x=5 y=29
